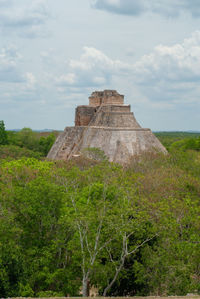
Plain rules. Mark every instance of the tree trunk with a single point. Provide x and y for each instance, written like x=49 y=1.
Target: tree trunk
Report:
x=85 y=287
x=115 y=277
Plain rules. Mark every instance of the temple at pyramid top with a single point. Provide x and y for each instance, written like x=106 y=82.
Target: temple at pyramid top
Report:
x=106 y=123
x=106 y=109
x=106 y=97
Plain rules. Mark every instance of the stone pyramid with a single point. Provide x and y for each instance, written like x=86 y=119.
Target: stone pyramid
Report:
x=106 y=123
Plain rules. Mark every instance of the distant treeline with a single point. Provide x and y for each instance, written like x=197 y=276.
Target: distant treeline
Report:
x=25 y=142
x=183 y=140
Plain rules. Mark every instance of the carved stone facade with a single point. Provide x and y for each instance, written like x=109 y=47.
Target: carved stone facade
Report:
x=108 y=124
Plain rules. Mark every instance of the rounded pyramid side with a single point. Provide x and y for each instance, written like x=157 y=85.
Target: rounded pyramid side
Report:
x=120 y=144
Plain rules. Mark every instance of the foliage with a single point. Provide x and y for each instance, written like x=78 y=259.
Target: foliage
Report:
x=45 y=143
x=187 y=144
x=27 y=138
x=15 y=152
x=33 y=242
x=127 y=231
x=167 y=138
x=32 y=141
x=3 y=134
x=94 y=154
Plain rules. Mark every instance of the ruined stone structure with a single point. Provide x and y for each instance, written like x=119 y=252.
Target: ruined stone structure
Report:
x=108 y=124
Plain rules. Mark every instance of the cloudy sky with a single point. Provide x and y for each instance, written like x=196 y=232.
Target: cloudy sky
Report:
x=54 y=54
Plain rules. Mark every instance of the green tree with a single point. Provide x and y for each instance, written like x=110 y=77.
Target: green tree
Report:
x=102 y=207
x=171 y=186
x=3 y=134
x=45 y=143
x=33 y=242
x=27 y=138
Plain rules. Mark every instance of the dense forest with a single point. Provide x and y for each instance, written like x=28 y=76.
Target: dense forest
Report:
x=66 y=227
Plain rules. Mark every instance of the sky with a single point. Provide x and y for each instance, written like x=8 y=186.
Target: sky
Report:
x=54 y=54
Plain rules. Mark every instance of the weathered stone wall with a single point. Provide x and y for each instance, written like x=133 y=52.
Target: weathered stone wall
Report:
x=116 y=119
x=120 y=144
x=65 y=143
x=106 y=97
x=116 y=108
x=84 y=115
x=115 y=116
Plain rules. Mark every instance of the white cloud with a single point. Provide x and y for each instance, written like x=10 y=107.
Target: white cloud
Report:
x=92 y=58
x=31 y=80
x=99 y=80
x=9 y=58
x=136 y=7
x=68 y=79
x=93 y=68
x=168 y=74
x=26 y=20
x=171 y=73
x=178 y=63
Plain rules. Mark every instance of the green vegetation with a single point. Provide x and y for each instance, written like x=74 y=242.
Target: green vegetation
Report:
x=168 y=138
x=69 y=226
x=3 y=134
x=24 y=143
x=94 y=154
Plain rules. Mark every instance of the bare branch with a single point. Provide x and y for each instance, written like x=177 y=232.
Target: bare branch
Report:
x=104 y=245
x=88 y=247
x=124 y=254
x=145 y=241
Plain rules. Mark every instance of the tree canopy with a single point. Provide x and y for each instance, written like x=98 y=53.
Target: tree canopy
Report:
x=66 y=227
